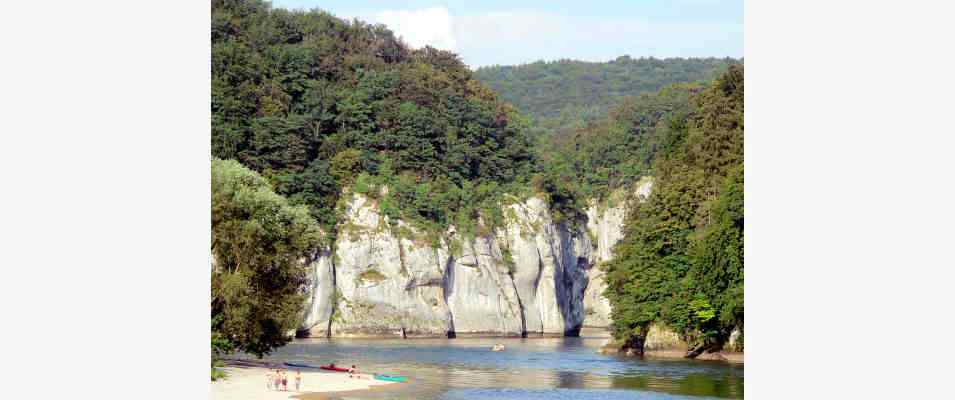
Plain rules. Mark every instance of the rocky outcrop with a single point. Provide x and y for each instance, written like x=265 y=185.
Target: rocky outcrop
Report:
x=384 y=284
x=549 y=262
x=480 y=292
x=663 y=342
x=662 y=339
x=531 y=276
x=605 y=226
x=319 y=307
x=735 y=342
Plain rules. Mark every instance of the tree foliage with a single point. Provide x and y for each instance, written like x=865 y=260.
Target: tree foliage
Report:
x=258 y=243
x=566 y=94
x=616 y=151
x=311 y=101
x=681 y=260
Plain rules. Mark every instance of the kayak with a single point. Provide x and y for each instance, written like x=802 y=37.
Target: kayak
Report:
x=299 y=365
x=331 y=368
x=392 y=378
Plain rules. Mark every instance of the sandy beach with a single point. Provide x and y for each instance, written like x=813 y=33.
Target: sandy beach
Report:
x=246 y=380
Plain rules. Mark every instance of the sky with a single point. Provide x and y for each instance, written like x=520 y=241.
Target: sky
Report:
x=514 y=32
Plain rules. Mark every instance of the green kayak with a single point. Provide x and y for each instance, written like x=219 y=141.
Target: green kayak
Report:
x=392 y=378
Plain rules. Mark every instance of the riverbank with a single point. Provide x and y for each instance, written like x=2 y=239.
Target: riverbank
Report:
x=676 y=352
x=246 y=380
x=726 y=356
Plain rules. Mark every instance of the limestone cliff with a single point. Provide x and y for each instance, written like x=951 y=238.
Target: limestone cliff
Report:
x=531 y=276
x=605 y=225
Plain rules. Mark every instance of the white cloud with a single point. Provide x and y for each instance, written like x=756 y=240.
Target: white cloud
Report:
x=428 y=26
x=527 y=35
x=505 y=27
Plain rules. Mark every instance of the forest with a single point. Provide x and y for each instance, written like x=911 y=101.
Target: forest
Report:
x=680 y=262
x=564 y=94
x=313 y=103
x=308 y=108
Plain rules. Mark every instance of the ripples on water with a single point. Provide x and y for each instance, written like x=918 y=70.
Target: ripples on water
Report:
x=532 y=368
x=556 y=394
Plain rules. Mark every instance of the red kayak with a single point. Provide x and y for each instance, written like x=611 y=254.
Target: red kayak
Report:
x=331 y=368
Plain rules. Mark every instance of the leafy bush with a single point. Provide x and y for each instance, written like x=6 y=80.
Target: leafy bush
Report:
x=259 y=242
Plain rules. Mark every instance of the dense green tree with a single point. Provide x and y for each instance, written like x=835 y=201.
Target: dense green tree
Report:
x=258 y=278
x=716 y=253
x=680 y=262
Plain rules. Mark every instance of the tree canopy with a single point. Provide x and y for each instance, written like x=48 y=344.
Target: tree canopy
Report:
x=565 y=94
x=311 y=101
x=680 y=262
x=259 y=242
x=617 y=150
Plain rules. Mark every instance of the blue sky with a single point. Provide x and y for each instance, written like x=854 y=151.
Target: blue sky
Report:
x=515 y=32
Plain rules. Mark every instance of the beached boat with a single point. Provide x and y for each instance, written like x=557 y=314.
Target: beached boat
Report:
x=392 y=378
x=296 y=365
x=333 y=368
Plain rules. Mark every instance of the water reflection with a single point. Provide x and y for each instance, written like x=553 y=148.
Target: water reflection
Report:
x=546 y=368
x=693 y=384
x=558 y=394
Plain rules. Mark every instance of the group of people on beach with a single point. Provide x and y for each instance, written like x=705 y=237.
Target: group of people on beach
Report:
x=277 y=378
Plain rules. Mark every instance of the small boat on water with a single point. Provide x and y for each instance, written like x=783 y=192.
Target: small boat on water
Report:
x=296 y=365
x=391 y=378
x=333 y=368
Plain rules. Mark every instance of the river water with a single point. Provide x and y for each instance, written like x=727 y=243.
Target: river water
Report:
x=531 y=368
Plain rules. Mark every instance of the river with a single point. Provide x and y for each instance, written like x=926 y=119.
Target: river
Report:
x=532 y=368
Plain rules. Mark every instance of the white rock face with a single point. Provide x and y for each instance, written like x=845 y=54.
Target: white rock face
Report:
x=319 y=304
x=386 y=285
x=660 y=338
x=481 y=293
x=532 y=276
x=550 y=265
x=734 y=343
x=519 y=236
x=605 y=225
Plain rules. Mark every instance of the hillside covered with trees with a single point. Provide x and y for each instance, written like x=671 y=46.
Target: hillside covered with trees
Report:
x=307 y=108
x=313 y=103
x=681 y=260
x=565 y=94
x=680 y=263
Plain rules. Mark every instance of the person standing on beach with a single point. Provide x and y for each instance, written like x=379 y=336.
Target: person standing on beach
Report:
x=278 y=380
x=268 y=379
x=298 y=380
x=284 y=382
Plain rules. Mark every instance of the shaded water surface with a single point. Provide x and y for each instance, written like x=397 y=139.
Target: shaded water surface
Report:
x=532 y=368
